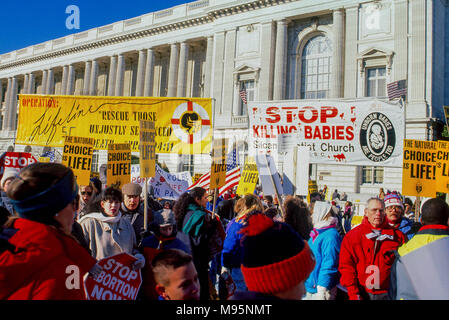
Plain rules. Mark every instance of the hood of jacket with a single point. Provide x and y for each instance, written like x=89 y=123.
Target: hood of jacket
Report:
x=320 y=210
x=36 y=246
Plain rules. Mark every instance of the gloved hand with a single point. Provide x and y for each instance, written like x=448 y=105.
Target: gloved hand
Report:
x=322 y=293
x=95 y=271
x=140 y=263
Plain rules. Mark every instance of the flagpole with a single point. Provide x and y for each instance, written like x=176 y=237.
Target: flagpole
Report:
x=145 y=208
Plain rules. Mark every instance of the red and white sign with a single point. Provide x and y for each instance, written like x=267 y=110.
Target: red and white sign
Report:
x=117 y=281
x=366 y=133
x=16 y=160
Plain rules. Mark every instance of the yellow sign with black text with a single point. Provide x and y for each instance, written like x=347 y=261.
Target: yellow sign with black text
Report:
x=419 y=168
x=118 y=170
x=147 y=149
x=442 y=167
x=77 y=155
x=249 y=177
x=313 y=187
x=218 y=167
x=182 y=125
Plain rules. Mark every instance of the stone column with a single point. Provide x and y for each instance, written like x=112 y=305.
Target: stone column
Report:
x=25 y=84
x=267 y=64
x=44 y=82
x=112 y=76
x=227 y=106
x=149 y=74
x=93 y=78
x=280 y=64
x=400 y=40
x=1 y=93
x=120 y=75
x=173 y=70
x=65 y=74
x=140 y=81
x=217 y=74
x=50 y=82
x=31 y=84
x=351 y=52
x=87 y=74
x=70 y=80
x=13 y=105
x=336 y=89
x=7 y=105
x=208 y=67
x=182 y=70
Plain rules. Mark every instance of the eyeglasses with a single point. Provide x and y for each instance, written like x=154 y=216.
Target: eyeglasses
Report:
x=85 y=192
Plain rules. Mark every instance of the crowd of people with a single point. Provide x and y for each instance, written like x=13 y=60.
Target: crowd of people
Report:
x=253 y=247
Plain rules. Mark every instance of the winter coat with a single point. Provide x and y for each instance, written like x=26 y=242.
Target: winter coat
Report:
x=36 y=269
x=326 y=248
x=358 y=253
x=231 y=256
x=108 y=239
x=150 y=247
x=194 y=233
x=401 y=287
x=406 y=227
x=136 y=219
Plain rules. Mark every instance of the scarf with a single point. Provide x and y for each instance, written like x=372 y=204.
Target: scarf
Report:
x=195 y=222
x=377 y=235
x=323 y=225
x=101 y=217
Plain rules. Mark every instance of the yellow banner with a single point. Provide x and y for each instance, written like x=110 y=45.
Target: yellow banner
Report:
x=147 y=149
x=249 y=177
x=442 y=167
x=77 y=155
x=419 y=168
x=183 y=125
x=118 y=171
x=313 y=187
x=218 y=167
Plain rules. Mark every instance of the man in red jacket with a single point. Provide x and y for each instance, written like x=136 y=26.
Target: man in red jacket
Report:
x=367 y=254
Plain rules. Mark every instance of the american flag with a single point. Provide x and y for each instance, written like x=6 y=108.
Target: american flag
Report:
x=243 y=93
x=50 y=154
x=232 y=175
x=397 y=89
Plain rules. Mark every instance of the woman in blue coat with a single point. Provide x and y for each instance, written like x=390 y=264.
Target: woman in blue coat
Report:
x=325 y=242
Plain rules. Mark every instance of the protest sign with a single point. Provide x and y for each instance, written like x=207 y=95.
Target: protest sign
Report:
x=77 y=155
x=313 y=187
x=442 y=167
x=367 y=133
x=296 y=171
x=182 y=125
x=249 y=177
x=147 y=149
x=419 y=168
x=17 y=160
x=117 y=281
x=170 y=185
x=268 y=175
x=218 y=167
x=119 y=165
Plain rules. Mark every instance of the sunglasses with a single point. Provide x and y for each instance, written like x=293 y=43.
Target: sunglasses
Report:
x=83 y=193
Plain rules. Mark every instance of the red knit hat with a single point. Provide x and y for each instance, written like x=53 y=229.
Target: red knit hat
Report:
x=275 y=258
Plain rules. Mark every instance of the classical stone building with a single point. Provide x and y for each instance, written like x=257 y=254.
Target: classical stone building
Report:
x=211 y=48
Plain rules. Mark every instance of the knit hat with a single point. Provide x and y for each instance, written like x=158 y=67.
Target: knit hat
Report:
x=132 y=189
x=275 y=258
x=8 y=174
x=392 y=199
x=164 y=218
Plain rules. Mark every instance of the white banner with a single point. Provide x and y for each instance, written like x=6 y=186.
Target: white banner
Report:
x=268 y=174
x=170 y=185
x=296 y=171
x=368 y=133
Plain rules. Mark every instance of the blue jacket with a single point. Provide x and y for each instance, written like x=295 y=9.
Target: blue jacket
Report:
x=326 y=249
x=231 y=256
x=406 y=227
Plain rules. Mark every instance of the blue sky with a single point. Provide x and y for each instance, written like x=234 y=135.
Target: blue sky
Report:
x=28 y=22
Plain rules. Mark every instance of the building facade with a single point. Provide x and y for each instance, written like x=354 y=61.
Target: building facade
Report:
x=275 y=49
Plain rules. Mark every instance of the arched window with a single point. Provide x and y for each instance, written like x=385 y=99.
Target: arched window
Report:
x=316 y=68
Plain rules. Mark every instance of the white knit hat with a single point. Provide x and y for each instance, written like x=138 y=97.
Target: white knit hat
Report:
x=8 y=174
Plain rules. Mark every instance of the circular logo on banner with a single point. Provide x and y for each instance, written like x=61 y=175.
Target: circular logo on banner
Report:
x=377 y=137
x=190 y=122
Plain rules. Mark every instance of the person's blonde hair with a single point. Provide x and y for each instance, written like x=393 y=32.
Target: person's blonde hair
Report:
x=250 y=203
